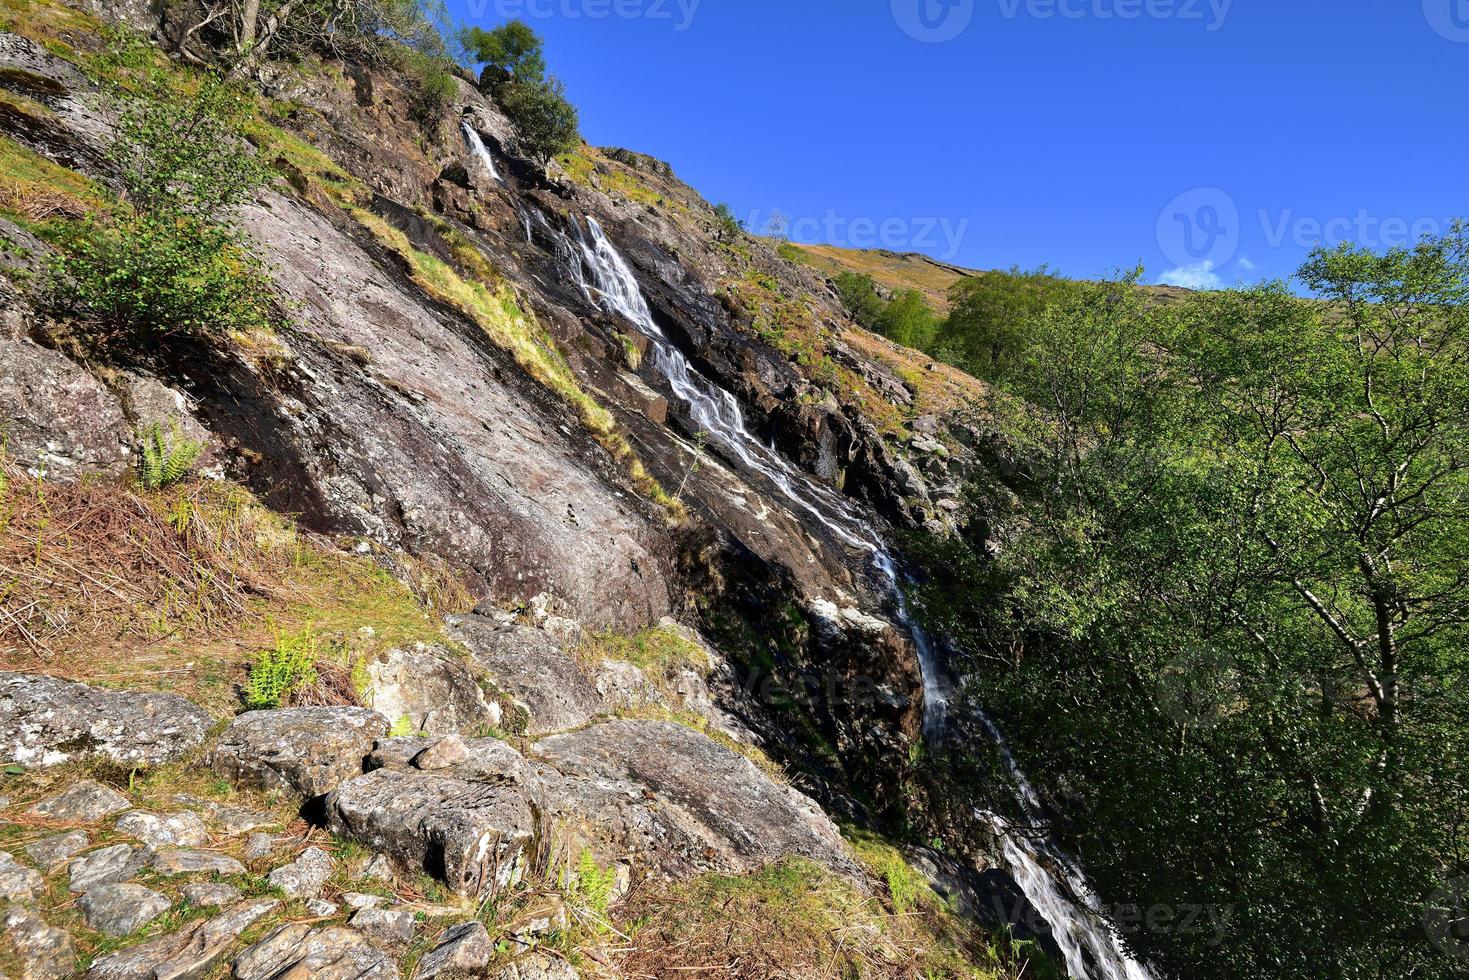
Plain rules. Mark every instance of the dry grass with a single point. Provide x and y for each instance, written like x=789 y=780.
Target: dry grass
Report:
x=180 y=590
x=794 y=920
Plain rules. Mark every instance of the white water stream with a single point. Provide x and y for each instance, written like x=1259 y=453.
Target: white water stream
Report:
x=478 y=148
x=1051 y=883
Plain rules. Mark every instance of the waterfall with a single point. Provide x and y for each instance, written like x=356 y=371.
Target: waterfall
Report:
x=1090 y=950
x=478 y=148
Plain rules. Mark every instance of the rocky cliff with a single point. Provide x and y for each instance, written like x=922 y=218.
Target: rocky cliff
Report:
x=450 y=389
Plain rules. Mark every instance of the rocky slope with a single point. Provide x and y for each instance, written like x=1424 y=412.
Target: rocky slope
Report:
x=503 y=421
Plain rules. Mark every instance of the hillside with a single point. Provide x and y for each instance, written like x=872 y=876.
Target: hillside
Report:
x=495 y=578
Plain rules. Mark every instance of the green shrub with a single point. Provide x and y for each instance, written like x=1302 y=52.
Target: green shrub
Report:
x=282 y=670
x=174 y=260
x=511 y=52
x=546 y=122
x=165 y=458
x=727 y=227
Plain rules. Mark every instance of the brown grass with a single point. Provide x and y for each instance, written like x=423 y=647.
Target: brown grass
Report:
x=793 y=920
x=91 y=562
x=180 y=590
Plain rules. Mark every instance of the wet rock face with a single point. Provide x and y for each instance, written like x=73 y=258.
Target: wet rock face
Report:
x=305 y=751
x=440 y=443
x=45 y=721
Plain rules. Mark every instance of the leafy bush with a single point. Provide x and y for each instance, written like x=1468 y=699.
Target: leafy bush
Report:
x=727 y=227
x=165 y=458
x=858 y=294
x=174 y=261
x=546 y=123
x=984 y=334
x=281 y=670
x=512 y=52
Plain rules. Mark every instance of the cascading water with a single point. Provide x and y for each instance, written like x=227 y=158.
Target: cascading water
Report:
x=478 y=148
x=1090 y=950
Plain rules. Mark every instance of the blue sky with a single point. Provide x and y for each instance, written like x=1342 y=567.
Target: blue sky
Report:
x=1213 y=140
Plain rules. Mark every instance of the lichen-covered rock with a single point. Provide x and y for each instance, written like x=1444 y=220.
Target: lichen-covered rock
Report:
x=470 y=835
x=83 y=802
x=306 y=751
x=210 y=894
x=537 y=966
x=118 y=909
x=531 y=666
x=189 y=954
x=681 y=801
x=44 y=952
x=185 y=829
x=432 y=688
x=297 y=950
x=51 y=852
x=391 y=926
x=17 y=882
x=188 y=861
x=109 y=865
x=56 y=416
x=462 y=949
x=304 y=877
x=45 y=721
x=442 y=753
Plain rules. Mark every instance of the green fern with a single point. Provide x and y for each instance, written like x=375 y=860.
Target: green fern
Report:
x=165 y=458
x=287 y=667
x=593 y=885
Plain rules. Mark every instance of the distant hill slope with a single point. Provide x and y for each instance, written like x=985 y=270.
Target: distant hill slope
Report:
x=898 y=271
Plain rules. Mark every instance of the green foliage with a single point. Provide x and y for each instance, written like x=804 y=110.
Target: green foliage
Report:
x=727 y=228
x=165 y=458
x=1230 y=624
x=545 y=121
x=592 y=889
x=512 y=52
x=984 y=333
x=858 y=293
x=175 y=260
x=908 y=320
x=283 y=669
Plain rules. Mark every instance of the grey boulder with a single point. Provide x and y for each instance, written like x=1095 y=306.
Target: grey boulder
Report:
x=297 y=950
x=17 y=882
x=435 y=690
x=304 y=877
x=462 y=949
x=306 y=751
x=109 y=865
x=120 y=909
x=189 y=954
x=45 y=952
x=45 y=721
x=530 y=665
x=51 y=852
x=83 y=802
x=184 y=829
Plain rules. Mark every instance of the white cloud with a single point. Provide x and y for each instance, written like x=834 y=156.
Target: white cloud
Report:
x=1245 y=265
x=1200 y=275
